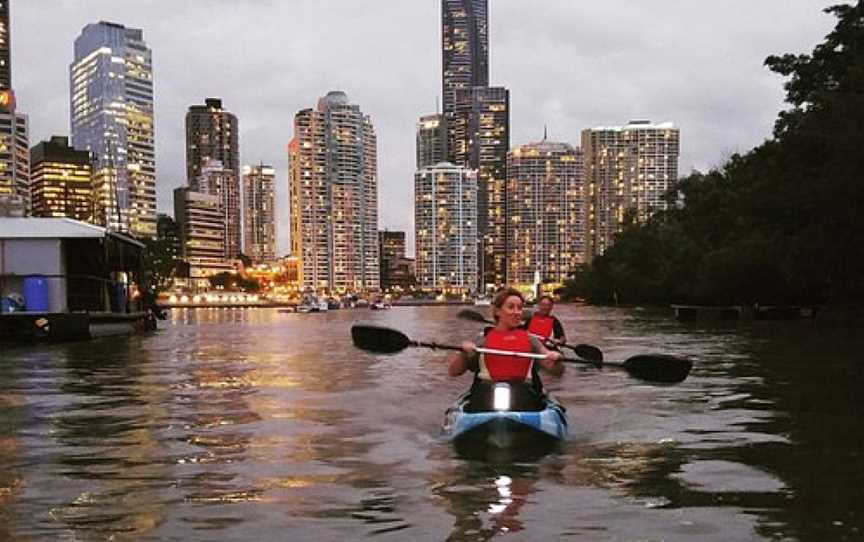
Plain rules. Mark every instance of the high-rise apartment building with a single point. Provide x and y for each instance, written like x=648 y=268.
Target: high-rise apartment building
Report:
x=14 y=136
x=391 y=248
x=464 y=47
x=259 y=212
x=397 y=271
x=111 y=108
x=168 y=232
x=479 y=132
x=211 y=134
x=445 y=228
x=201 y=225
x=333 y=186
x=14 y=153
x=391 y=244
x=61 y=180
x=629 y=169
x=5 y=46
x=546 y=206
x=217 y=180
x=431 y=140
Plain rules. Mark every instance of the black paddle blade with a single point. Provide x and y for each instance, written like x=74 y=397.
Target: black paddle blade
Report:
x=588 y=352
x=379 y=339
x=658 y=368
x=474 y=316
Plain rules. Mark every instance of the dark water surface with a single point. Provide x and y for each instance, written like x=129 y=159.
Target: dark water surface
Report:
x=257 y=425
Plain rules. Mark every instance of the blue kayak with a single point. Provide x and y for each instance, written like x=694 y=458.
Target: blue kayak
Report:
x=504 y=428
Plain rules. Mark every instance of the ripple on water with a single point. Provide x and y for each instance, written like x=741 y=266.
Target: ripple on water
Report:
x=716 y=476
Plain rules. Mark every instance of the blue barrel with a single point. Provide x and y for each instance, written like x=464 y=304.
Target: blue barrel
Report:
x=121 y=297
x=36 y=293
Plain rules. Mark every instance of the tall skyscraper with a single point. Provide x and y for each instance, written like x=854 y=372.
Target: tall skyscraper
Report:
x=546 y=204
x=111 y=108
x=629 y=170
x=5 y=46
x=201 y=225
x=479 y=132
x=14 y=152
x=431 y=140
x=464 y=47
x=445 y=228
x=14 y=136
x=211 y=134
x=259 y=212
x=61 y=180
x=333 y=185
x=477 y=125
x=217 y=180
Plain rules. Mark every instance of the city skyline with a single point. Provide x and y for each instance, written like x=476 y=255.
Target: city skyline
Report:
x=710 y=83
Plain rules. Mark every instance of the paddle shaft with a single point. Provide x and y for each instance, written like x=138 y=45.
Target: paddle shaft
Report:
x=496 y=352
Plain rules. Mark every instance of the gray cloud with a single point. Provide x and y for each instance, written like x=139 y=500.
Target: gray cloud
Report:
x=568 y=64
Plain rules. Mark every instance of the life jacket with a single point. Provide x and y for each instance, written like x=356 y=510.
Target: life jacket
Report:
x=506 y=368
x=543 y=326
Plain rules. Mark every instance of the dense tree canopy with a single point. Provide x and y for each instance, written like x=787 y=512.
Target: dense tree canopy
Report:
x=783 y=223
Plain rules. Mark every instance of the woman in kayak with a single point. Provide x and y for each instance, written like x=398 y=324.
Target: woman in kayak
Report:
x=542 y=324
x=506 y=335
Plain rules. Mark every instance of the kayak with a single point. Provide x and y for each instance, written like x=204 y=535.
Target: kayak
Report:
x=498 y=426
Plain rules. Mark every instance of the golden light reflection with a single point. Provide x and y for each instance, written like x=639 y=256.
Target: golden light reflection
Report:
x=227 y=498
x=8 y=491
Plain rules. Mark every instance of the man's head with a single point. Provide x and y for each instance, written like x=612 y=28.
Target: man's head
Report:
x=544 y=305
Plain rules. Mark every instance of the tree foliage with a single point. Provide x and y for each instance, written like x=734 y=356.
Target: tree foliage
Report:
x=780 y=224
x=160 y=263
x=234 y=282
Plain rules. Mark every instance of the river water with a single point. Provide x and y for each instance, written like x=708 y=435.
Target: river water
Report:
x=258 y=425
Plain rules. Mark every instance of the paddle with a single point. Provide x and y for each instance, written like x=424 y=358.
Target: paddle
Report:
x=584 y=351
x=652 y=368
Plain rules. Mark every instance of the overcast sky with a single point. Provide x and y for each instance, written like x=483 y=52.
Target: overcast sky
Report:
x=569 y=64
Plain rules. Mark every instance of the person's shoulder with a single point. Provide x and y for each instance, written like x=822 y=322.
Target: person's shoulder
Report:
x=536 y=344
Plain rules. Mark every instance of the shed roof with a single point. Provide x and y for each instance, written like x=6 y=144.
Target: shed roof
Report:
x=55 y=228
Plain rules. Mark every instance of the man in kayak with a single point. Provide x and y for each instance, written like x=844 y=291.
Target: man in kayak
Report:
x=506 y=335
x=543 y=324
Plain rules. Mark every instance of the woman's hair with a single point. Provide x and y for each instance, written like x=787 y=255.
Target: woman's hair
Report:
x=546 y=296
x=501 y=298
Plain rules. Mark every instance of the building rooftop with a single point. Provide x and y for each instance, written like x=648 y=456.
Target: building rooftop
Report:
x=333 y=98
x=638 y=125
x=546 y=146
x=55 y=228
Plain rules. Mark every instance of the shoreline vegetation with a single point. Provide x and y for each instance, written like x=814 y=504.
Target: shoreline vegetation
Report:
x=779 y=225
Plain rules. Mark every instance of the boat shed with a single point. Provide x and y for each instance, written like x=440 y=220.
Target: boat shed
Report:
x=73 y=266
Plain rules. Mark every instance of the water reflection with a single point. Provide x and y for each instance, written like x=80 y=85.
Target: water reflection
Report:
x=252 y=424
x=485 y=499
